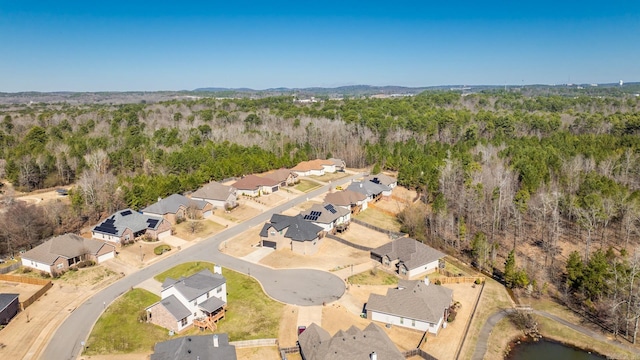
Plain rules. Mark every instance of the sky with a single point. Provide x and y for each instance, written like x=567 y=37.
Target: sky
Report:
x=182 y=45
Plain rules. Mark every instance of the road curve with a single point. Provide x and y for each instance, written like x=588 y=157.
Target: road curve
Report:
x=293 y=286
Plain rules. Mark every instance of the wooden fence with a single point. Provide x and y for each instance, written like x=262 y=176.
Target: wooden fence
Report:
x=348 y=243
x=254 y=343
x=466 y=327
x=392 y=234
x=460 y=279
x=418 y=352
x=47 y=284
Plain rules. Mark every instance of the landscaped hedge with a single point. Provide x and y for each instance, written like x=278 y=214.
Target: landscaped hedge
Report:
x=161 y=249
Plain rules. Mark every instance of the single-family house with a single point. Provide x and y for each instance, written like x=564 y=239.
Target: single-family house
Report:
x=285 y=177
x=329 y=217
x=351 y=200
x=219 y=195
x=292 y=232
x=371 y=190
x=200 y=300
x=9 y=307
x=408 y=257
x=177 y=207
x=414 y=304
x=127 y=225
x=254 y=185
x=370 y=343
x=202 y=347
x=59 y=253
x=317 y=167
x=338 y=164
x=383 y=179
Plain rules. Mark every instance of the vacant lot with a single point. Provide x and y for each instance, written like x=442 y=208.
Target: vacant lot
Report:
x=239 y=214
x=307 y=185
x=330 y=256
x=193 y=229
x=330 y=176
x=380 y=219
x=243 y=244
x=364 y=236
x=24 y=291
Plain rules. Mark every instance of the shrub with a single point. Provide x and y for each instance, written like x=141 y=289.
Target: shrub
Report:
x=438 y=282
x=74 y=268
x=86 y=263
x=25 y=270
x=452 y=316
x=159 y=250
x=478 y=281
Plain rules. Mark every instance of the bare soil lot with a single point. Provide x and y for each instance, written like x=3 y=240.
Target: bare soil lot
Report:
x=243 y=244
x=364 y=236
x=239 y=214
x=331 y=255
x=378 y=218
x=200 y=228
x=24 y=291
x=330 y=176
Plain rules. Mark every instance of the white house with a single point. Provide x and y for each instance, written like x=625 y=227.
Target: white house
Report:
x=328 y=217
x=220 y=196
x=414 y=304
x=199 y=299
x=408 y=257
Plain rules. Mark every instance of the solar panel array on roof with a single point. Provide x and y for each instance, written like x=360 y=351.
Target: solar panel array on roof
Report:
x=375 y=180
x=107 y=227
x=126 y=212
x=330 y=208
x=311 y=217
x=152 y=222
x=316 y=213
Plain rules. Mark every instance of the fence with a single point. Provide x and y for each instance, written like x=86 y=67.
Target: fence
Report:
x=348 y=243
x=254 y=343
x=460 y=279
x=27 y=280
x=379 y=229
x=10 y=268
x=466 y=327
x=289 y=350
x=418 y=352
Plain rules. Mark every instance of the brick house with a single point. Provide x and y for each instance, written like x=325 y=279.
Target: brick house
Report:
x=282 y=231
x=127 y=225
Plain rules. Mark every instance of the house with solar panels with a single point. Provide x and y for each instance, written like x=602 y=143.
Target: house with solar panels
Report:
x=330 y=218
x=127 y=225
x=291 y=232
x=198 y=300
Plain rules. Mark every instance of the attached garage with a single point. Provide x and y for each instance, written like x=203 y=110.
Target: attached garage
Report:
x=105 y=257
x=163 y=235
x=267 y=243
x=207 y=213
x=275 y=188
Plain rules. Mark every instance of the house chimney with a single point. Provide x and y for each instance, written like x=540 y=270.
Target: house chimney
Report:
x=217 y=269
x=215 y=340
x=373 y=356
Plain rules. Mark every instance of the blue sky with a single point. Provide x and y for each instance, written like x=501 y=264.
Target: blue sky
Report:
x=176 y=45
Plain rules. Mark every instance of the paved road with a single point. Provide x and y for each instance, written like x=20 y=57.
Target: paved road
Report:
x=305 y=287
x=485 y=332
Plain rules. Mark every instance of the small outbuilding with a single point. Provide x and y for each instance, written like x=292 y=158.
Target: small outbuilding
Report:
x=9 y=307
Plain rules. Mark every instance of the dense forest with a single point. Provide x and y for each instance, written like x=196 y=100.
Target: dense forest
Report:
x=541 y=188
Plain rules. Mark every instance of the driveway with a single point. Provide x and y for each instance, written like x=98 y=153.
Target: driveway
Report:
x=304 y=287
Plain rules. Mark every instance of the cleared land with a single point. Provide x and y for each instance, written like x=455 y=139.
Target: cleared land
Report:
x=243 y=244
x=380 y=219
x=239 y=214
x=330 y=176
x=307 y=185
x=199 y=228
x=364 y=236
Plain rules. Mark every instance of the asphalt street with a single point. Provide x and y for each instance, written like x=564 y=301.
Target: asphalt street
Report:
x=306 y=287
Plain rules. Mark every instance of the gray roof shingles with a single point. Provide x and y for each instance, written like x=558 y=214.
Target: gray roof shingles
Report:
x=325 y=216
x=195 y=347
x=117 y=223
x=368 y=188
x=355 y=344
x=197 y=284
x=409 y=251
x=413 y=300
x=214 y=191
x=175 y=307
x=172 y=203
x=298 y=229
x=67 y=246
x=6 y=300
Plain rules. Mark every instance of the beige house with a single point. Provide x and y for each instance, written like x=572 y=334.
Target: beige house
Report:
x=291 y=232
x=285 y=177
x=219 y=195
x=407 y=257
x=178 y=207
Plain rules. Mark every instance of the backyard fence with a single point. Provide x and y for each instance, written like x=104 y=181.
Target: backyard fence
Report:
x=348 y=243
x=466 y=327
x=418 y=352
x=460 y=279
x=393 y=234
x=254 y=343
x=47 y=284
x=10 y=268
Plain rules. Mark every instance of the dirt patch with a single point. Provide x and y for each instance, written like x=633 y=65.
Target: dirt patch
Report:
x=23 y=290
x=379 y=218
x=288 y=334
x=240 y=213
x=140 y=253
x=364 y=236
x=331 y=255
x=193 y=229
x=257 y=353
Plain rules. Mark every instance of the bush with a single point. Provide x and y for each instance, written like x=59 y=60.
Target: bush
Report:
x=74 y=268
x=86 y=263
x=25 y=270
x=478 y=281
x=159 y=250
x=452 y=316
x=438 y=282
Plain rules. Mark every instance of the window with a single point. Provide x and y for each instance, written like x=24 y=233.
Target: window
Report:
x=401 y=320
x=272 y=233
x=59 y=266
x=183 y=322
x=219 y=290
x=208 y=294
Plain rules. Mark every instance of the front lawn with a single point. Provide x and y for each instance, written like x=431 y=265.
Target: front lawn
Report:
x=191 y=229
x=307 y=185
x=119 y=329
x=378 y=218
x=251 y=314
x=373 y=277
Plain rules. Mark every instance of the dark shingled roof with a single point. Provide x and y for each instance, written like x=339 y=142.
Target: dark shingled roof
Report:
x=175 y=307
x=195 y=347
x=323 y=214
x=117 y=223
x=413 y=300
x=211 y=304
x=298 y=229
x=171 y=205
x=67 y=246
x=409 y=251
x=6 y=300
x=195 y=285
x=352 y=344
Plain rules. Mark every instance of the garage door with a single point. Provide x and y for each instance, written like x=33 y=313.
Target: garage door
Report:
x=105 y=257
x=274 y=189
x=164 y=234
x=207 y=213
x=271 y=244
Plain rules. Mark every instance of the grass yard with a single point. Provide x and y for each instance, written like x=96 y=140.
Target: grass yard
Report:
x=9 y=262
x=330 y=176
x=251 y=314
x=307 y=185
x=373 y=277
x=379 y=219
x=202 y=229
x=119 y=329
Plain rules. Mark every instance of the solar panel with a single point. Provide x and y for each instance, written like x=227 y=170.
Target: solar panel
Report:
x=107 y=227
x=126 y=212
x=311 y=217
x=316 y=213
x=375 y=180
x=152 y=222
x=330 y=208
